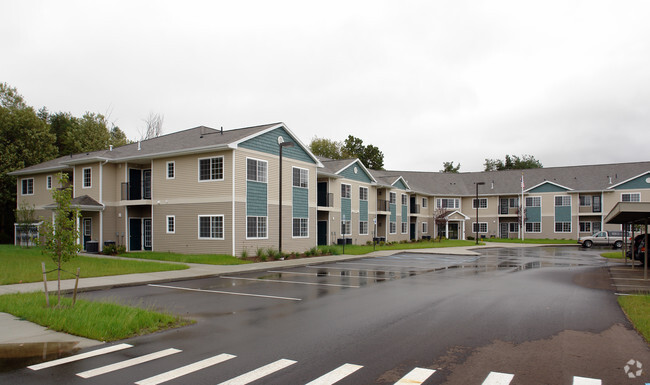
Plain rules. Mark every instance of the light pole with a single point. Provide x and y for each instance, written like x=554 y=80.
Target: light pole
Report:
x=477 y=205
x=282 y=144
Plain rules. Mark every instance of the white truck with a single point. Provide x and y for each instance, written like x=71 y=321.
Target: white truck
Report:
x=603 y=238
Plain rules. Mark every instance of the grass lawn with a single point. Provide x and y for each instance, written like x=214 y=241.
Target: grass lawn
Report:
x=534 y=241
x=612 y=255
x=208 y=259
x=365 y=249
x=21 y=265
x=101 y=321
x=637 y=308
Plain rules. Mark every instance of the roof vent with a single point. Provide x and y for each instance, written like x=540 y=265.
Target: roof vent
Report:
x=139 y=147
x=221 y=130
x=610 y=179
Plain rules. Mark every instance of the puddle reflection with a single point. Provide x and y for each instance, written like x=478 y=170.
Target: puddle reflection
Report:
x=16 y=356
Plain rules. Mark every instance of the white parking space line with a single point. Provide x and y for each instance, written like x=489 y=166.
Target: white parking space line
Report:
x=260 y=372
x=381 y=264
x=81 y=356
x=586 y=381
x=226 y=292
x=352 y=268
x=294 y=282
x=496 y=378
x=318 y=275
x=336 y=375
x=128 y=363
x=187 y=369
x=416 y=376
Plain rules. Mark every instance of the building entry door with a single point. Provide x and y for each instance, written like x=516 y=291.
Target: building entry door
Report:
x=135 y=234
x=503 y=230
x=453 y=230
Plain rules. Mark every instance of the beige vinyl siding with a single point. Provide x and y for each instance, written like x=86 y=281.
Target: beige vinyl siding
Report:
x=93 y=190
x=111 y=183
x=42 y=196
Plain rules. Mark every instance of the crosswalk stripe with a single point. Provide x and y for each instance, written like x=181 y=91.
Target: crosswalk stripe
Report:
x=496 y=378
x=336 y=375
x=586 y=381
x=127 y=363
x=260 y=372
x=81 y=356
x=416 y=376
x=187 y=369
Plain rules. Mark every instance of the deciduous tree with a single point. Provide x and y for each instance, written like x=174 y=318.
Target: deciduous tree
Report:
x=449 y=167
x=512 y=162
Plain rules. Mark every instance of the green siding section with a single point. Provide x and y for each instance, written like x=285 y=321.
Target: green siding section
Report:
x=563 y=214
x=256 y=199
x=404 y=213
x=300 y=202
x=393 y=212
x=636 y=183
x=268 y=143
x=360 y=176
x=400 y=184
x=533 y=214
x=363 y=210
x=346 y=208
x=547 y=187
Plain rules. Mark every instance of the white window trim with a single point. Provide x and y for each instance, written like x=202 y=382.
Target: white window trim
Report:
x=83 y=177
x=367 y=227
x=580 y=202
x=267 y=226
x=348 y=227
x=349 y=190
x=533 y=232
x=586 y=223
x=563 y=199
x=425 y=202
x=405 y=200
x=307 y=181
x=198 y=222
x=49 y=181
x=173 y=217
x=367 y=191
x=425 y=228
x=22 y=192
x=405 y=229
x=389 y=226
x=301 y=219
x=630 y=194
x=223 y=170
x=390 y=200
x=479 y=228
x=173 y=163
x=563 y=232
x=456 y=205
x=479 y=203
x=533 y=198
x=257 y=173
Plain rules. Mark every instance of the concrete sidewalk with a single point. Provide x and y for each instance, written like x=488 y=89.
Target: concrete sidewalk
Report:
x=19 y=332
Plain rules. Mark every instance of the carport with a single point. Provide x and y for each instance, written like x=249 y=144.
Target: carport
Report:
x=631 y=213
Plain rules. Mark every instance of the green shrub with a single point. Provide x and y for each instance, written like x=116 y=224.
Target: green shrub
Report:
x=261 y=253
x=244 y=254
x=109 y=250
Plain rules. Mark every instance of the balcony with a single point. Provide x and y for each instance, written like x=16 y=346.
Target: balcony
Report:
x=415 y=209
x=131 y=192
x=326 y=200
x=382 y=205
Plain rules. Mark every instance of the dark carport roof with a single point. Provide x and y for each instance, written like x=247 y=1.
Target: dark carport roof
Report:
x=629 y=212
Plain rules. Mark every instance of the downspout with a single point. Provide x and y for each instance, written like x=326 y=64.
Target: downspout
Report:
x=152 y=200
x=101 y=200
x=233 y=216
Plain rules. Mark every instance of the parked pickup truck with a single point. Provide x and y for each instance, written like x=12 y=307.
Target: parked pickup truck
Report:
x=603 y=238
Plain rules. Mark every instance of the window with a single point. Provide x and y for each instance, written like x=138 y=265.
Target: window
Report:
x=404 y=200
x=585 y=227
x=448 y=203
x=585 y=200
x=425 y=202
x=256 y=227
x=562 y=200
x=404 y=227
x=425 y=227
x=87 y=177
x=171 y=224
x=595 y=226
x=513 y=202
x=345 y=227
x=300 y=227
x=363 y=193
x=171 y=170
x=27 y=186
x=533 y=227
x=256 y=170
x=210 y=226
x=513 y=227
x=562 y=227
x=631 y=197
x=146 y=229
x=533 y=202
x=392 y=228
x=482 y=203
x=300 y=177
x=345 y=190
x=211 y=169
x=482 y=227
x=48 y=182
x=363 y=228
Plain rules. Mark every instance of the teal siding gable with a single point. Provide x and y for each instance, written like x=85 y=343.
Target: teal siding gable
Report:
x=533 y=214
x=400 y=184
x=393 y=212
x=346 y=208
x=360 y=176
x=404 y=214
x=363 y=210
x=547 y=187
x=268 y=143
x=300 y=202
x=256 y=199
x=640 y=182
x=563 y=214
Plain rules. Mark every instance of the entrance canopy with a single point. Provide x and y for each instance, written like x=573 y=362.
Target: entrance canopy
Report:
x=629 y=212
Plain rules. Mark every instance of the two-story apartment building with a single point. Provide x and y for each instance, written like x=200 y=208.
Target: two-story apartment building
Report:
x=218 y=191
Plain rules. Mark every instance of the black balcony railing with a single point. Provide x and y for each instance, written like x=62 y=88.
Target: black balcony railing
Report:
x=326 y=200
x=503 y=209
x=131 y=192
x=382 y=205
x=415 y=209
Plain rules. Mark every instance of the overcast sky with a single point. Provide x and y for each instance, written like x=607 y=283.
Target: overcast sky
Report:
x=425 y=81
